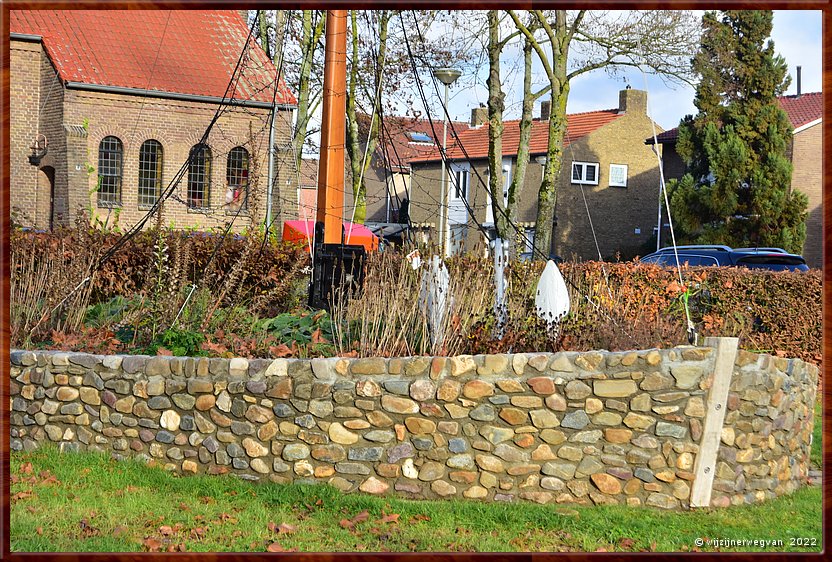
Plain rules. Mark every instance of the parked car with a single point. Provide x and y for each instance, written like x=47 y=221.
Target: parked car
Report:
x=527 y=256
x=774 y=259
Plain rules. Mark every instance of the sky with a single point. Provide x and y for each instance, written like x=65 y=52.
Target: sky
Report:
x=796 y=34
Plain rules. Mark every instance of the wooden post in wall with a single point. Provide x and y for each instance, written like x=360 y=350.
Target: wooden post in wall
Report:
x=705 y=466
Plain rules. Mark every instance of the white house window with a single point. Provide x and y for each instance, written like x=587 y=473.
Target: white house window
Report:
x=618 y=175
x=585 y=173
x=460 y=188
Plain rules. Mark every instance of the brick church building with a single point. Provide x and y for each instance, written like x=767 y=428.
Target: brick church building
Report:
x=109 y=107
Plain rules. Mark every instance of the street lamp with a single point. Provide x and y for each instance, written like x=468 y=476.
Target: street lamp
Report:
x=447 y=76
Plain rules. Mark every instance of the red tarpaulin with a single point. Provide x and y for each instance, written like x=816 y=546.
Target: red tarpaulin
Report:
x=304 y=231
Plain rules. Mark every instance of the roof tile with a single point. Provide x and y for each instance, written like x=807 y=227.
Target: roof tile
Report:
x=472 y=142
x=800 y=110
x=173 y=51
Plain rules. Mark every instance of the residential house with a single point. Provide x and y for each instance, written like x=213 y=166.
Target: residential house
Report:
x=607 y=189
x=805 y=112
x=120 y=100
x=308 y=189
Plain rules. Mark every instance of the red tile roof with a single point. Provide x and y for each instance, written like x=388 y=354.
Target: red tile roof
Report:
x=173 y=51
x=395 y=147
x=801 y=111
x=475 y=139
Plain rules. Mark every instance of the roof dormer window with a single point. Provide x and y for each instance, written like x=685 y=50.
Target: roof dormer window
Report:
x=419 y=138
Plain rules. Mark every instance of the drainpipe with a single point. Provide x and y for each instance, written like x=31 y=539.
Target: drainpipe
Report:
x=271 y=172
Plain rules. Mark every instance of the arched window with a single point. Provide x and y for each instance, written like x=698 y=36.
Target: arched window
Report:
x=199 y=177
x=110 y=152
x=236 y=179
x=150 y=173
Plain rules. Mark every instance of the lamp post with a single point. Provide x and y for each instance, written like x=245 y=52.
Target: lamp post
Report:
x=447 y=76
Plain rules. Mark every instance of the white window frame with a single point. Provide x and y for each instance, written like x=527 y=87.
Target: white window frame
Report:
x=584 y=167
x=613 y=174
x=460 y=173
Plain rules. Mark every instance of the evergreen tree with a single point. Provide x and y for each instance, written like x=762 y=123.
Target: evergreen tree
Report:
x=737 y=186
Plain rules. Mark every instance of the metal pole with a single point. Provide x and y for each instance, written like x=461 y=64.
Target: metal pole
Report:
x=443 y=203
x=271 y=173
x=659 y=229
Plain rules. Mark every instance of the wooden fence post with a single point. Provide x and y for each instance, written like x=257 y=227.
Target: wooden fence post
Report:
x=705 y=466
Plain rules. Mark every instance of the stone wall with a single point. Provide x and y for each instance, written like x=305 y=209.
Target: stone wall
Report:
x=594 y=427
x=767 y=433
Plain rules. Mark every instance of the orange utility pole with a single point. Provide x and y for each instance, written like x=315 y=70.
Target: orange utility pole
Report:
x=337 y=269
x=333 y=130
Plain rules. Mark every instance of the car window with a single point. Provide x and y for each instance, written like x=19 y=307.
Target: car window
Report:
x=774 y=262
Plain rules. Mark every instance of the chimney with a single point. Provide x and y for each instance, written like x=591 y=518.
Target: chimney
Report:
x=545 y=110
x=479 y=115
x=632 y=101
x=798 y=81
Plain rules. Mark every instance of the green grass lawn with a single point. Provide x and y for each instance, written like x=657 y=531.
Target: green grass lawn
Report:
x=816 y=454
x=88 y=502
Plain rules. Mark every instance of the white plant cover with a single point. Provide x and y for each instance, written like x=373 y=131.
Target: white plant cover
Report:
x=552 y=300
x=433 y=297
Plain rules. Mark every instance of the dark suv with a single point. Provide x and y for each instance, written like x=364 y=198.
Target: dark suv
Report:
x=774 y=259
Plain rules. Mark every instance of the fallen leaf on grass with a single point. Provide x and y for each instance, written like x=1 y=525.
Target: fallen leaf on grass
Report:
x=87 y=530
x=31 y=509
x=350 y=523
x=166 y=530
x=419 y=517
x=198 y=533
x=275 y=547
x=152 y=545
x=627 y=543
x=392 y=518
x=26 y=468
x=39 y=530
x=184 y=507
x=283 y=528
x=22 y=495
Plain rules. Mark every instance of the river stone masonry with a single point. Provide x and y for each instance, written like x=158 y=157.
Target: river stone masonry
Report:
x=587 y=428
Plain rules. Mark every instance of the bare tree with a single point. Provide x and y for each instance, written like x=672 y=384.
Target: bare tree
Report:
x=569 y=44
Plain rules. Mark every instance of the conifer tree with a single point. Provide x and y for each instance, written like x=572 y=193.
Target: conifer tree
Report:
x=737 y=186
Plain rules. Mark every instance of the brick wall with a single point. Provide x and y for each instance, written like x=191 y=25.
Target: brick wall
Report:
x=75 y=121
x=807 y=176
x=616 y=212
x=25 y=87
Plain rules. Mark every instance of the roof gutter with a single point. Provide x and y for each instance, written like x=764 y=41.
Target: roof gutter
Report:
x=807 y=125
x=174 y=96
x=26 y=37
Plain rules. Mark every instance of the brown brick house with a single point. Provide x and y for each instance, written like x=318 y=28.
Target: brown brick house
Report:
x=604 y=160
x=123 y=98
x=805 y=112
